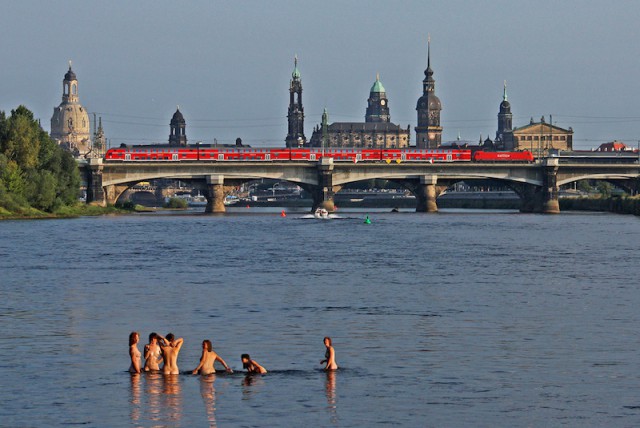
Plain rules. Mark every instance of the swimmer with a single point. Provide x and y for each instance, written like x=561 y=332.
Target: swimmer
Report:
x=134 y=352
x=170 y=349
x=152 y=354
x=207 y=360
x=251 y=365
x=329 y=356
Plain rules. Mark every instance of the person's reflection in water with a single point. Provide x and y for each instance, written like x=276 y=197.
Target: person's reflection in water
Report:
x=135 y=397
x=250 y=385
x=154 y=392
x=330 y=392
x=208 y=393
x=172 y=395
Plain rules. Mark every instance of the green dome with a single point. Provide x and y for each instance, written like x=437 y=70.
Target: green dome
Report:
x=377 y=86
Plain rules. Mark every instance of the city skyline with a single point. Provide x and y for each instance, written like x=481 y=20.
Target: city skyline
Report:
x=228 y=66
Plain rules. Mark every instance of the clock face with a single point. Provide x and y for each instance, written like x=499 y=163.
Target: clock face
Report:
x=382 y=102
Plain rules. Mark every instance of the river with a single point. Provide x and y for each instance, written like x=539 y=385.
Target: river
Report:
x=456 y=319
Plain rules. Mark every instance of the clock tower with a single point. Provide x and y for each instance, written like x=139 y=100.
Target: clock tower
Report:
x=377 y=104
x=428 y=131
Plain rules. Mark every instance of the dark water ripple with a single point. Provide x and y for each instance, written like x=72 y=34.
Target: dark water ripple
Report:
x=449 y=320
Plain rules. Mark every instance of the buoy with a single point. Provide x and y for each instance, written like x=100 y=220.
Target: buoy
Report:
x=283 y=214
x=367 y=220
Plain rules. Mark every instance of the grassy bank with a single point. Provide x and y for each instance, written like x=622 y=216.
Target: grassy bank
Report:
x=614 y=204
x=78 y=210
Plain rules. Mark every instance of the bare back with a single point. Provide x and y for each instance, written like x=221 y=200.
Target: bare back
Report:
x=170 y=353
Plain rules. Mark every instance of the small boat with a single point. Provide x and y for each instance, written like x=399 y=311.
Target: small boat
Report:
x=231 y=199
x=321 y=213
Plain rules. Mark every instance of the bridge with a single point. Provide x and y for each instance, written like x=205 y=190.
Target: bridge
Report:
x=536 y=184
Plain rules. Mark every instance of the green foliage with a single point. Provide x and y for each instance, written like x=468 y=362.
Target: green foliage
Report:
x=584 y=186
x=34 y=171
x=605 y=188
x=176 y=203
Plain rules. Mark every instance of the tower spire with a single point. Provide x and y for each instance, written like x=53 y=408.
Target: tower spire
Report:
x=504 y=94
x=428 y=51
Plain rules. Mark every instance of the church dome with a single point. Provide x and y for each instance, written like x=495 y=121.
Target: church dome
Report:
x=177 y=117
x=377 y=86
x=70 y=75
x=430 y=101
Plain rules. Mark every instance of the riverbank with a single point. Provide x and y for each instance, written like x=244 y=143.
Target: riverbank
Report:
x=614 y=204
x=79 y=210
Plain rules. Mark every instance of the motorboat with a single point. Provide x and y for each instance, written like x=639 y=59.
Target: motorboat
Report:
x=321 y=213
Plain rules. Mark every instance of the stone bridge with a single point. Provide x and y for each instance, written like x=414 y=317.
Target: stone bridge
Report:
x=537 y=184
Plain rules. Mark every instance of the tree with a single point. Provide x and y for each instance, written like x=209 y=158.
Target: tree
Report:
x=34 y=170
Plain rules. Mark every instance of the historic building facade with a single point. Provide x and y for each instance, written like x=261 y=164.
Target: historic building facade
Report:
x=540 y=137
x=178 y=126
x=70 y=121
x=376 y=131
x=295 y=114
x=428 y=131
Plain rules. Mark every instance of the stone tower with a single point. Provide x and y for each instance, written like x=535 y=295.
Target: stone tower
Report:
x=504 y=135
x=295 y=115
x=428 y=131
x=377 y=104
x=70 y=121
x=178 y=136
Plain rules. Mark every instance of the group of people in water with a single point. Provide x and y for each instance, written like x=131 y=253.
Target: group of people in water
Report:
x=165 y=350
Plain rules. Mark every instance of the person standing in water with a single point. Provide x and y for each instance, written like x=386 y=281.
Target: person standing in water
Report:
x=208 y=358
x=134 y=352
x=152 y=354
x=170 y=349
x=329 y=356
x=252 y=366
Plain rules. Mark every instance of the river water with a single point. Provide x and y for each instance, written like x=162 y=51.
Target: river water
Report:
x=456 y=319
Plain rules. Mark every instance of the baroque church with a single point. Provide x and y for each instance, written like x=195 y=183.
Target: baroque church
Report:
x=70 y=121
x=377 y=130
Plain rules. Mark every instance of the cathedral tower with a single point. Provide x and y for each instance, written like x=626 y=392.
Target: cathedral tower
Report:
x=504 y=135
x=70 y=121
x=177 y=135
x=428 y=131
x=377 y=104
x=295 y=115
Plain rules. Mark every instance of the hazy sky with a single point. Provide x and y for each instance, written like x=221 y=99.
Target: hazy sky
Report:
x=228 y=64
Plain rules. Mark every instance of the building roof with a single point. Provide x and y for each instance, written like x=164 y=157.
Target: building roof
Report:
x=365 y=127
x=177 y=117
x=532 y=125
x=377 y=86
x=70 y=75
x=613 y=146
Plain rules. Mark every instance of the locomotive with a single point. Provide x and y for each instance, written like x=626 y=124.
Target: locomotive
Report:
x=204 y=153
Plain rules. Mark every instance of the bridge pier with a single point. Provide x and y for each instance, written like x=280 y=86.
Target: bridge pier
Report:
x=215 y=194
x=550 y=204
x=95 y=191
x=323 y=194
x=426 y=194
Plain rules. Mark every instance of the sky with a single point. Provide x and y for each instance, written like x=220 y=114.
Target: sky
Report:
x=227 y=64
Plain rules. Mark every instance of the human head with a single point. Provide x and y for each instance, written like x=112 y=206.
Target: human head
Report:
x=207 y=345
x=327 y=341
x=152 y=337
x=170 y=337
x=245 y=359
x=133 y=338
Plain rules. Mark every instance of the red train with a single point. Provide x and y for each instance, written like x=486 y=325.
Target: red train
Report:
x=199 y=153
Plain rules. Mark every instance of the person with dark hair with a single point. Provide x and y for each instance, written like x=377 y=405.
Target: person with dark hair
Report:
x=134 y=352
x=329 y=356
x=251 y=365
x=207 y=360
x=170 y=347
x=152 y=353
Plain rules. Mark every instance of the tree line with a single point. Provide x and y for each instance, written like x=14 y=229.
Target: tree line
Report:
x=34 y=171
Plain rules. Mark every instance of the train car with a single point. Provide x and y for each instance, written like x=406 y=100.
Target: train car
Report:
x=427 y=155
x=587 y=156
x=523 y=156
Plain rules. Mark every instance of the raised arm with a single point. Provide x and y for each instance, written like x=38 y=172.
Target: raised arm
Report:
x=178 y=343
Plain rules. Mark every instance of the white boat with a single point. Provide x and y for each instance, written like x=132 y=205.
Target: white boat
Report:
x=321 y=213
x=231 y=199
